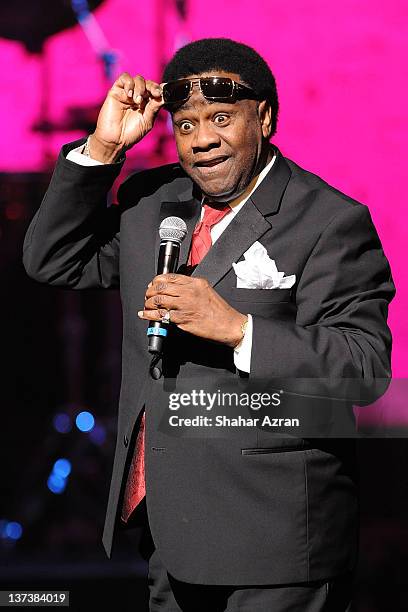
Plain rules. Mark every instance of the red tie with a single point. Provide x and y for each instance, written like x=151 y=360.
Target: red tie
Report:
x=200 y=245
x=201 y=241
x=135 y=486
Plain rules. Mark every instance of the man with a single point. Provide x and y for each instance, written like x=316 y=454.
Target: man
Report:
x=251 y=521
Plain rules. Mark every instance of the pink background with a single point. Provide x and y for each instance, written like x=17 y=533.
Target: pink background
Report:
x=340 y=69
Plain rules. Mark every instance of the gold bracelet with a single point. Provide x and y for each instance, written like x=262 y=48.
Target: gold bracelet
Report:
x=243 y=328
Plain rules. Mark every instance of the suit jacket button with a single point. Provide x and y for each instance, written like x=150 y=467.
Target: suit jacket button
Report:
x=125 y=440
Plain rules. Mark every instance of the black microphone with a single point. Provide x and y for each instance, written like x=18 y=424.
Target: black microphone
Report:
x=172 y=232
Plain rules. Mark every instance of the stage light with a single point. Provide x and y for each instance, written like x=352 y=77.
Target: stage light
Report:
x=62 y=467
x=56 y=483
x=85 y=421
x=14 y=530
x=62 y=423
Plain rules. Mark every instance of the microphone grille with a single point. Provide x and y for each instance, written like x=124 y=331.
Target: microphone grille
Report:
x=173 y=228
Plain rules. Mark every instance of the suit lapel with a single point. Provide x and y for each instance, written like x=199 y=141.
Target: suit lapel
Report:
x=244 y=229
x=268 y=196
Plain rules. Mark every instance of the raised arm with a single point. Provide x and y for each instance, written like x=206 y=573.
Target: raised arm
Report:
x=73 y=239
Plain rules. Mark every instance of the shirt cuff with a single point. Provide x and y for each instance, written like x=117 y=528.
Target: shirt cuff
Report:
x=76 y=156
x=242 y=353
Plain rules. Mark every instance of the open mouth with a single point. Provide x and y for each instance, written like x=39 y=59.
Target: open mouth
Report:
x=210 y=163
x=214 y=166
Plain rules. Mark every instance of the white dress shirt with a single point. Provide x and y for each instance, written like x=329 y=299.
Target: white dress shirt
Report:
x=242 y=353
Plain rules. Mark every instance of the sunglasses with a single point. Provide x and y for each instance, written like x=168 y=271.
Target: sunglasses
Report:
x=212 y=88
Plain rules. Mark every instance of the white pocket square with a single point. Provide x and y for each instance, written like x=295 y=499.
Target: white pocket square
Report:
x=259 y=271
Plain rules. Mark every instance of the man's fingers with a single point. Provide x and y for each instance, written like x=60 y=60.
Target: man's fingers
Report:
x=122 y=89
x=173 y=285
x=160 y=301
x=164 y=288
x=154 y=89
x=145 y=90
x=125 y=82
x=137 y=90
x=179 y=279
x=157 y=315
x=151 y=315
x=167 y=284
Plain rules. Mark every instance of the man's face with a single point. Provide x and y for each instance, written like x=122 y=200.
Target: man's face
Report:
x=220 y=144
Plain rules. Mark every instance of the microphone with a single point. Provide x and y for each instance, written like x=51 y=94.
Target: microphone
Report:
x=172 y=232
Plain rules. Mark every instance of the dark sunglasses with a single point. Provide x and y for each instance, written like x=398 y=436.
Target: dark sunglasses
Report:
x=212 y=88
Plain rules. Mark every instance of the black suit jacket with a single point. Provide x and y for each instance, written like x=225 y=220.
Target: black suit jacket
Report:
x=250 y=507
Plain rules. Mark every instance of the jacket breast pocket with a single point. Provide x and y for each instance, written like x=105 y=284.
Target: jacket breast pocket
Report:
x=264 y=296
x=264 y=302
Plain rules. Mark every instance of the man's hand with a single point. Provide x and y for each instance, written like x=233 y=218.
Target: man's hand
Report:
x=126 y=116
x=195 y=308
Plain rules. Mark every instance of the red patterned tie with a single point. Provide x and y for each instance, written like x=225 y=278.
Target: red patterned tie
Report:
x=135 y=486
x=200 y=245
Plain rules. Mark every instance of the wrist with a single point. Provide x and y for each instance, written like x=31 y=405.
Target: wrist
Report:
x=102 y=151
x=238 y=331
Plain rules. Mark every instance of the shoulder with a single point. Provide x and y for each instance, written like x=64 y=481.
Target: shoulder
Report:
x=313 y=194
x=328 y=214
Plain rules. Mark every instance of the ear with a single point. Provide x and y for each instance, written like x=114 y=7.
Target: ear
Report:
x=265 y=117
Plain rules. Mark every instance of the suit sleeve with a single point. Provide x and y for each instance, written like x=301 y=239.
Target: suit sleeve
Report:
x=73 y=240
x=342 y=301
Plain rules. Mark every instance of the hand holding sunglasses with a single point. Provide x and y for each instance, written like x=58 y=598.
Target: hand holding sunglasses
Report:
x=127 y=115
